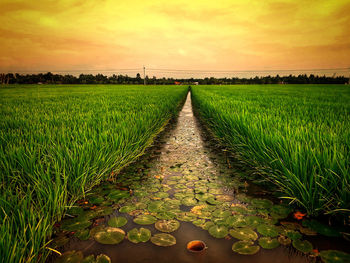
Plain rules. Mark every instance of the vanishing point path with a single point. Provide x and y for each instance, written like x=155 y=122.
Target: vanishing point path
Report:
x=189 y=186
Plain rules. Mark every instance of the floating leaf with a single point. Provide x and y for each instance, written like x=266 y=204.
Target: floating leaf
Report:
x=236 y=221
x=302 y=245
x=244 y=234
x=268 y=243
x=163 y=240
x=75 y=211
x=268 y=230
x=261 y=203
x=83 y=234
x=207 y=225
x=145 y=220
x=293 y=235
x=116 y=195
x=224 y=198
x=167 y=225
x=245 y=247
x=189 y=201
x=218 y=231
x=127 y=209
x=102 y=258
x=75 y=224
x=109 y=235
x=186 y=216
x=334 y=256
x=96 y=199
x=221 y=213
x=139 y=235
x=165 y=215
x=254 y=221
x=70 y=257
x=161 y=195
x=198 y=222
x=284 y=240
x=117 y=221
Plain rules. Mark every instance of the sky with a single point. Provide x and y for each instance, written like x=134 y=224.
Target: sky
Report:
x=101 y=35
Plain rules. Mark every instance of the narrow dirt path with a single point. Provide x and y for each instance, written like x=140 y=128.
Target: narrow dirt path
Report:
x=183 y=180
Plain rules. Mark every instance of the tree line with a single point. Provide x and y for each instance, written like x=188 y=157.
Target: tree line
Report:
x=50 y=78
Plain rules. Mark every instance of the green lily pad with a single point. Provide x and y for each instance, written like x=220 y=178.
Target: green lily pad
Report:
x=161 y=195
x=103 y=211
x=167 y=225
x=156 y=206
x=268 y=243
x=83 y=234
x=207 y=225
x=109 y=235
x=245 y=247
x=165 y=215
x=224 y=198
x=321 y=228
x=236 y=221
x=293 y=235
x=189 y=201
x=221 y=213
x=139 y=235
x=127 y=209
x=204 y=197
x=163 y=240
x=244 y=234
x=71 y=257
x=199 y=222
x=281 y=210
x=302 y=245
x=116 y=195
x=218 y=231
x=102 y=258
x=186 y=216
x=268 y=230
x=117 y=221
x=213 y=201
x=75 y=224
x=285 y=241
x=145 y=220
x=254 y=221
x=334 y=256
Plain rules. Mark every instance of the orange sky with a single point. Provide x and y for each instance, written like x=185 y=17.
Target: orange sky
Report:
x=56 y=35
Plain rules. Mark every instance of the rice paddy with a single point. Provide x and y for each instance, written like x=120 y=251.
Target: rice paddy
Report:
x=57 y=142
x=299 y=135
x=78 y=184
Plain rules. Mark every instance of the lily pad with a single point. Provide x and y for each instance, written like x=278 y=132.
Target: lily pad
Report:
x=218 y=231
x=268 y=243
x=254 y=221
x=116 y=195
x=117 y=221
x=224 y=198
x=139 y=235
x=221 y=213
x=75 y=224
x=163 y=240
x=244 y=234
x=245 y=247
x=145 y=220
x=207 y=225
x=213 y=201
x=199 y=222
x=166 y=215
x=109 y=235
x=71 y=257
x=285 y=241
x=186 y=216
x=75 y=211
x=334 y=256
x=268 y=230
x=167 y=226
x=189 y=201
x=302 y=245
x=83 y=234
x=127 y=209
x=161 y=195
x=236 y=221
x=96 y=199
x=102 y=258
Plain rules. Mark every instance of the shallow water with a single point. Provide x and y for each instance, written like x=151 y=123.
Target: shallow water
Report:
x=182 y=151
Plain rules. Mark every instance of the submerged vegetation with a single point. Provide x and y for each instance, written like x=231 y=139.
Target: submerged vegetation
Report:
x=56 y=142
x=299 y=135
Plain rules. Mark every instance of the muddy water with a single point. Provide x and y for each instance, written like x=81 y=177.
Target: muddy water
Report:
x=182 y=163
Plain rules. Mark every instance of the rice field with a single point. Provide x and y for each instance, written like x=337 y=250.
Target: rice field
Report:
x=57 y=142
x=297 y=135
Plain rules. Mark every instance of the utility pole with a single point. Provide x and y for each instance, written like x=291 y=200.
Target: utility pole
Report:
x=144 y=75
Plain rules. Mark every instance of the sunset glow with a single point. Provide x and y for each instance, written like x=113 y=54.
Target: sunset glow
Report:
x=224 y=34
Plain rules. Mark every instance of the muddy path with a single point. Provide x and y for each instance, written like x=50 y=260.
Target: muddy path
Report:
x=191 y=186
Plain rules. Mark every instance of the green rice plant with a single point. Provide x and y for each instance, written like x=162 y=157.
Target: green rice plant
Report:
x=299 y=135
x=57 y=142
